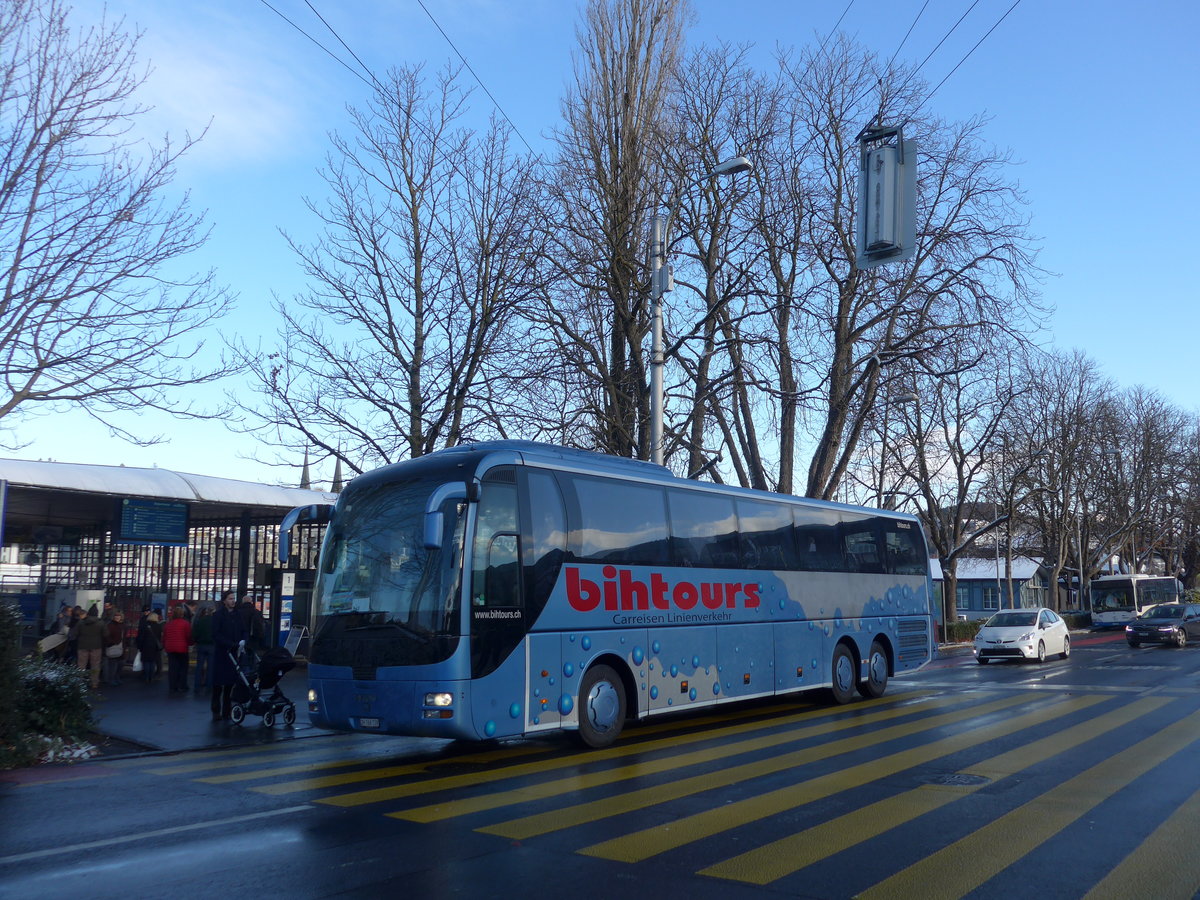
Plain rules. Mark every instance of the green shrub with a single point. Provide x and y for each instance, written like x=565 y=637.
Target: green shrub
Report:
x=42 y=703
x=54 y=699
x=1078 y=621
x=960 y=632
x=10 y=677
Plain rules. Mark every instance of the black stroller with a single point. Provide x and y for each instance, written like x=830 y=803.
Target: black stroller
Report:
x=257 y=676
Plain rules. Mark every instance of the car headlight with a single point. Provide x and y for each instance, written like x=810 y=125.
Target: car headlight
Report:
x=1026 y=637
x=1166 y=628
x=1129 y=628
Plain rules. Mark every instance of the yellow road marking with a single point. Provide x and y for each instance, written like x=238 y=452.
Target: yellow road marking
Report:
x=527 y=793
x=541 y=823
x=772 y=861
x=961 y=867
x=649 y=842
x=1146 y=874
x=393 y=792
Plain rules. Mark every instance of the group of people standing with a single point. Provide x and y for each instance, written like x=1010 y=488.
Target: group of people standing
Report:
x=97 y=643
x=93 y=643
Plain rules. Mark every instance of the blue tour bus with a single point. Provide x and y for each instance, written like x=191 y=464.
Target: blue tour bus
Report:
x=509 y=587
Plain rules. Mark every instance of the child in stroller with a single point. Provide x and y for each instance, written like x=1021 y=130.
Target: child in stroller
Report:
x=255 y=677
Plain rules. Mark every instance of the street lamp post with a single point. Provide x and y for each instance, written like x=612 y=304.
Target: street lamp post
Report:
x=660 y=281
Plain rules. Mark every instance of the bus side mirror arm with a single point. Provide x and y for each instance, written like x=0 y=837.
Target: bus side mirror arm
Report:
x=317 y=513
x=435 y=520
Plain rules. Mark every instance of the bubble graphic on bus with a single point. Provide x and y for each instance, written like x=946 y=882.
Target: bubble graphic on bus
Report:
x=692 y=694
x=566 y=703
x=654 y=692
x=695 y=662
x=490 y=728
x=568 y=669
x=716 y=688
x=515 y=710
x=674 y=671
x=656 y=647
x=638 y=655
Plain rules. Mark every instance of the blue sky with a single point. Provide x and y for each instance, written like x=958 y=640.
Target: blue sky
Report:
x=1096 y=103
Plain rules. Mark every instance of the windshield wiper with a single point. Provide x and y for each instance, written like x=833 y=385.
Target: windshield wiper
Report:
x=423 y=637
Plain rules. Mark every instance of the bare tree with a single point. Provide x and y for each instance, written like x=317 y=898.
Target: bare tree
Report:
x=953 y=451
x=407 y=339
x=1061 y=414
x=599 y=193
x=781 y=333
x=89 y=316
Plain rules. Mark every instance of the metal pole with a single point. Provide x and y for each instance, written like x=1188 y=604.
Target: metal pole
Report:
x=657 y=266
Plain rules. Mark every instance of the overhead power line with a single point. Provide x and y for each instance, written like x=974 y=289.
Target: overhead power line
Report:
x=474 y=75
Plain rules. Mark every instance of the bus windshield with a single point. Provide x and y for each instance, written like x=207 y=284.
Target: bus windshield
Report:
x=1113 y=598
x=376 y=572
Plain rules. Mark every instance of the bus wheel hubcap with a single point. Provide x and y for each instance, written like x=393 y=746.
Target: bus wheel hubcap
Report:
x=602 y=706
x=845 y=673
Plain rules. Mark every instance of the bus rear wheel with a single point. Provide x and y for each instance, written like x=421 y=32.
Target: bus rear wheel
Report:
x=601 y=707
x=873 y=686
x=845 y=676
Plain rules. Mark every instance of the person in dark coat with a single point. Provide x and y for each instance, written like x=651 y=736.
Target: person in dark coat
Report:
x=227 y=633
x=202 y=635
x=149 y=644
x=252 y=624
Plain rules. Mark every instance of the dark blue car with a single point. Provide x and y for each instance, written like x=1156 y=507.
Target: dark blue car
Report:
x=1167 y=623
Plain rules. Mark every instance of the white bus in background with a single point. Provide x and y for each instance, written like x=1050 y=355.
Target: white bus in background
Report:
x=1119 y=599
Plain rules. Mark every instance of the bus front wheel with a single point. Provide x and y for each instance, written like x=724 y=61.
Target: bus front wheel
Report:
x=873 y=686
x=845 y=676
x=601 y=707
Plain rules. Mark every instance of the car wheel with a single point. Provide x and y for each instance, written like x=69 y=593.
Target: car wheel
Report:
x=845 y=678
x=1066 y=650
x=1180 y=637
x=1135 y=644
x=1041 y=656
x=982 y=660
x=876 y=681
x=601 y=707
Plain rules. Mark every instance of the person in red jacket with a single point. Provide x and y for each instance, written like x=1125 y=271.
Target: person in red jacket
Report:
x=177 y=641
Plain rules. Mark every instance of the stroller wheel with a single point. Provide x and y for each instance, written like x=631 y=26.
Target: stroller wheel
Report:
x=289 y=715
x=269 y=718
x=237 y=714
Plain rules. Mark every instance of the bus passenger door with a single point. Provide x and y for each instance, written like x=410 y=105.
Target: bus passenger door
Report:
x=497 y=606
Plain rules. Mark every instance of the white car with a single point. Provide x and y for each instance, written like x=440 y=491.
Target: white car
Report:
x=1022 y=634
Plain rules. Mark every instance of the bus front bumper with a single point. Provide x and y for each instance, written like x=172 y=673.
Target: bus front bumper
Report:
x=415 y=708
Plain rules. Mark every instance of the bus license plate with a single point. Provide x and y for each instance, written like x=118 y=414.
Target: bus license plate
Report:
x=368 y=723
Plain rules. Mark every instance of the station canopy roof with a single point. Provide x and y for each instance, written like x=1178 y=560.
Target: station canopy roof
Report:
x=87 y=497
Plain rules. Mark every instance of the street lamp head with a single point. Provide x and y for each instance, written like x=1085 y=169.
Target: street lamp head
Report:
x=732 y=167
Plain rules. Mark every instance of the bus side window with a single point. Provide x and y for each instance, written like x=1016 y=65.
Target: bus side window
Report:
x=545 y=546
x=616 y=522
x=496 y=577
x=860 y=544
x=816 y=532
x=766 y=535
x=703 y=530
x=501 y=584
x=903 y=547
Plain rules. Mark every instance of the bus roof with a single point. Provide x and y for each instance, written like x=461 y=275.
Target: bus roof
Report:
x=483 y=455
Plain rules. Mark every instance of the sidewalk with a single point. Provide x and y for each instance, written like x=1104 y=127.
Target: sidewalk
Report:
x=146 y=718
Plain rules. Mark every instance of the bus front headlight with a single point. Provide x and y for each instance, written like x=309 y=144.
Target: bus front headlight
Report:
x=442 y=698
